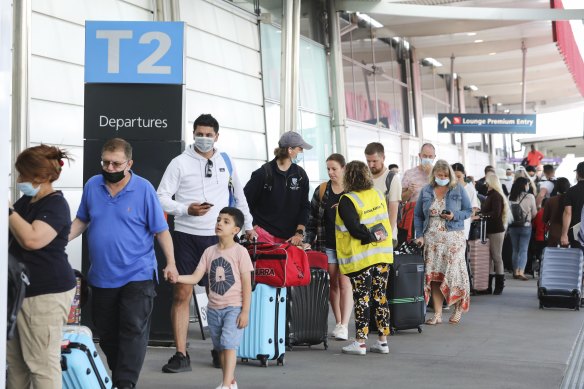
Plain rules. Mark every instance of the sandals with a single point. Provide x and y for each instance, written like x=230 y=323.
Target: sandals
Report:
x=435 y=319
x=456 y=315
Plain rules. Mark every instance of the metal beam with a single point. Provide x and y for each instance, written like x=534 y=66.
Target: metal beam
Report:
x=388 y=7
x=339 y=113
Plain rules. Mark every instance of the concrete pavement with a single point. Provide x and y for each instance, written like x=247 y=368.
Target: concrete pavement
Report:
x=503 y=342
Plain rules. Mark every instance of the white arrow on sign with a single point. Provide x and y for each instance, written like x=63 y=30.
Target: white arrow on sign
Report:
x=445 y=122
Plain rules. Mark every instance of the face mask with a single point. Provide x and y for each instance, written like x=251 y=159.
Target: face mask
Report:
x=204 y=144
x=298 y=158
x=441 y=182
x=27 y=189
x=113 y=177
x=427 y=161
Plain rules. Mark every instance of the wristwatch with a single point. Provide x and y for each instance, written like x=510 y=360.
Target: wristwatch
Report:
x=300 y=232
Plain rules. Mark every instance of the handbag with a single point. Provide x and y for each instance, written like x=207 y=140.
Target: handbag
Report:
x=279 y=265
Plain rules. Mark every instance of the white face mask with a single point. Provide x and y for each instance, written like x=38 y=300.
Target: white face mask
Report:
x=204 y=144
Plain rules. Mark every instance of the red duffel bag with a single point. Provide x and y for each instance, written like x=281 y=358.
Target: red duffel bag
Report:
x=280 y=265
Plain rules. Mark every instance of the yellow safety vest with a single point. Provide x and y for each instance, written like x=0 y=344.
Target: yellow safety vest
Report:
x=351 y=254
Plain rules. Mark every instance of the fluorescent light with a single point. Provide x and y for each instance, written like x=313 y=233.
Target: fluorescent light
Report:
x=432 y=62
x=473 y=87
x=471 y=33
x=478 y=41
x=499 y=104
x=455 y=75
x=396 y=38
x=492 y=53
x=369 y=20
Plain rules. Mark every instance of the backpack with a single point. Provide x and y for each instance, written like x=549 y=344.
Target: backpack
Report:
x=520 y=217
x=269 y=180
x=230 y=188
x=388 y=180
x=321 y=191
x=17 y=283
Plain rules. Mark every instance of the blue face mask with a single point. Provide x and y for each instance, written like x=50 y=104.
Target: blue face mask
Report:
x=442 y=182
x=27 y=189
x=427 y=161
x=298 y=158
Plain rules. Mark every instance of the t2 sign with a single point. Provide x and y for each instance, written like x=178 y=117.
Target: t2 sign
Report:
x=134 y=52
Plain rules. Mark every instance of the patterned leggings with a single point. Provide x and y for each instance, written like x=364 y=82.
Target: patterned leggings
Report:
x=371 y=282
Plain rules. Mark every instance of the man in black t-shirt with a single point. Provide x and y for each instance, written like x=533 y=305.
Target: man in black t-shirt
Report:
x=573 y=203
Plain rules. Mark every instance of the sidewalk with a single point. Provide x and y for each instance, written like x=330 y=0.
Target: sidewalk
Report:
x=503 y=342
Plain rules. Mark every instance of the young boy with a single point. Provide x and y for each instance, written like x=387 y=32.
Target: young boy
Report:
x=229 y=268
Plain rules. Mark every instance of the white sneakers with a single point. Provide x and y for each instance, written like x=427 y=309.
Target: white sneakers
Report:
x=379 y=347
x=340 y=332
x=232 y=386
x=355 y=348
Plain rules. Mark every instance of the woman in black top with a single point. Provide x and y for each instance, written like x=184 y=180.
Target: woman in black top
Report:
x=320 y=233
x=39 y=227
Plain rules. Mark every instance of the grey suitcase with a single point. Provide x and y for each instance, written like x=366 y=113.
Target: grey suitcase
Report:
x=560 y=283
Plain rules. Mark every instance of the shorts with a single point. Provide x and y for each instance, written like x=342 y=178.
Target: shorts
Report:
x=188 y=250
x=223 y=327
x=332 y=256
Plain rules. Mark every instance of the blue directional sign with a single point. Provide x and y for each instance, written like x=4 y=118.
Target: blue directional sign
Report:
x=486 y=123
x=134 y=52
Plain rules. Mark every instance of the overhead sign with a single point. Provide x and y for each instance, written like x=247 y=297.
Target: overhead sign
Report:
x=134 y=52
x=486 y=123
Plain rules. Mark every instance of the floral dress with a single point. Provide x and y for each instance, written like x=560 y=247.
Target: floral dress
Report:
x=444 y=255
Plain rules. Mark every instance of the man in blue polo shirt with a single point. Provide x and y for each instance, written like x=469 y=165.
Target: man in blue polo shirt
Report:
x=122 y=215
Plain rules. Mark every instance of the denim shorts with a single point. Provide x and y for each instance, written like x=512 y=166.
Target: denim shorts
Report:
x=332 y=256
x=223 y=328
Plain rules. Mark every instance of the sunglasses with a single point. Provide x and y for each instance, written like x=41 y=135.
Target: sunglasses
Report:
x=209 y=168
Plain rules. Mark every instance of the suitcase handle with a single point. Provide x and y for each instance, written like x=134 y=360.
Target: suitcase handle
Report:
x=86 y=350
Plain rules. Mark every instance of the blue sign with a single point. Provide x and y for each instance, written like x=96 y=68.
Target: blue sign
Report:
x=486 y=123
x=134 y=52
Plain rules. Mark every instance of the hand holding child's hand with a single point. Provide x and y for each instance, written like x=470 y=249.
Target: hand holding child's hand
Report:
x=242 y=320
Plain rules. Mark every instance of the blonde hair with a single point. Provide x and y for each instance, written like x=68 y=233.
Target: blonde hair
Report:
x=443 y=166
x=493 y=182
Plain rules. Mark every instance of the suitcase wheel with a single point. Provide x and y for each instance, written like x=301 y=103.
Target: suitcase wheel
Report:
x=264 y=361
x=392 y=331
x=244 y=360
x=540 y=305
x=419 y=330
x=280 y=361
x=326 y=345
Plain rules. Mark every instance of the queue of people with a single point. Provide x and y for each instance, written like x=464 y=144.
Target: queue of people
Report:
x=356 y=218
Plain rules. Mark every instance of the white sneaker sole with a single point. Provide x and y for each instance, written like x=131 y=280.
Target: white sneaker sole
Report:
x=378 y=351
x=354 y=352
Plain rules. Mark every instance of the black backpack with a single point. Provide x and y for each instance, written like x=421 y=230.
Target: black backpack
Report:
x=17 y=283
x=520 y=217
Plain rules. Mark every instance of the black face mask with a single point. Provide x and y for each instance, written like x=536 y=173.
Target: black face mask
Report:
x=113 y=177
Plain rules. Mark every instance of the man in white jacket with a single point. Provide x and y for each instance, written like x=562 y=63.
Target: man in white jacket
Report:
x=202 y=181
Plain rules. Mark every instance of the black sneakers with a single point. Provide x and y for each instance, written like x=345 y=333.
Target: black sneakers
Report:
x=178 y=363
x=216 y=359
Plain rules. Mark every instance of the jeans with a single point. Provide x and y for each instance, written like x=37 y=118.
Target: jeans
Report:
x=122 y=320
x=520 y=237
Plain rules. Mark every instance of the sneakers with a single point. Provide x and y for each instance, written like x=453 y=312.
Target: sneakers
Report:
x=178 y=363
x=340 y=332
x=232 y=386
x=380 y=348
x=355 y=348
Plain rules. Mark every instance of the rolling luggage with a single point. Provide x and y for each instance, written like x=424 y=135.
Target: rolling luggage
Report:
x=479 y=256
x=307 y=310
x=317 y=259
x=560 y=282
x=264 y=337
x=405 y=290
x=82 y=367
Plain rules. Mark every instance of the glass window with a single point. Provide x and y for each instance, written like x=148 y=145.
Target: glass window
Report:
x=313 y=77
x=271 y=59
x=315 y=129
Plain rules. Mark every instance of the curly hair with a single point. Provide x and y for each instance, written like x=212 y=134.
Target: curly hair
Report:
x=42 y=162
x=357 y=177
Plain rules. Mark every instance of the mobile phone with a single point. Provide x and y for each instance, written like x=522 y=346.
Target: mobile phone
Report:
x=445 y=212
x=206 y=203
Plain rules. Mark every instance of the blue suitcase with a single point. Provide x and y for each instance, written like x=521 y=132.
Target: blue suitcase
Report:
x=82 y=367
x=264 y=337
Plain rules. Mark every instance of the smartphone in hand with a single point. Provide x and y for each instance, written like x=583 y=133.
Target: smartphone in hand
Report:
x=207 y=204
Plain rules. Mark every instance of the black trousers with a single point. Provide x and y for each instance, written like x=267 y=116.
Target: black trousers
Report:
x=122 y=320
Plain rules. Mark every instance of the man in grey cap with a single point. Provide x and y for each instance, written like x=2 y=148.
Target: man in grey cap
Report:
x=277 y=193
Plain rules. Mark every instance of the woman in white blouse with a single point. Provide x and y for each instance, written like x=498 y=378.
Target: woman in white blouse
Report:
x=470 y=190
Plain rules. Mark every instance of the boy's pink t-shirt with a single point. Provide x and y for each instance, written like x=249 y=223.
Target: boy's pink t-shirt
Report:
x=224 y=268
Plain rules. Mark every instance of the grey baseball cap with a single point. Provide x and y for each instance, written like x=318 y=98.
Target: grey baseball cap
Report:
x=293 y=139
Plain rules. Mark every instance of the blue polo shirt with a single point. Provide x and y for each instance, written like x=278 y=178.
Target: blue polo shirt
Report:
x=121 y=231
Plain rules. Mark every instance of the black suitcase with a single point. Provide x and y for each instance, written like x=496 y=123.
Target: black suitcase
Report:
x=405 y=292
x=307 y=311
